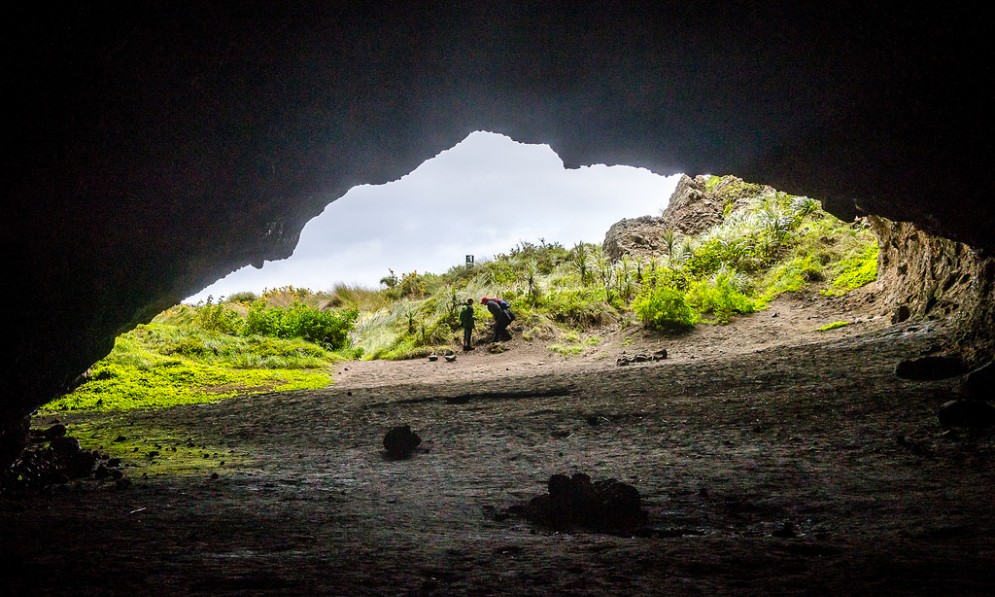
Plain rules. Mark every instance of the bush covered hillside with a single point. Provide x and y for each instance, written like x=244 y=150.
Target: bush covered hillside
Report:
x=760 y=243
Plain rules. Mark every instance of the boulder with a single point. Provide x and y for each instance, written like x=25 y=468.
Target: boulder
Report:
x=607 y=505
x=980 y=383
x=400 y=442
x=634 y=236
x=972 y=414
x=930 y=368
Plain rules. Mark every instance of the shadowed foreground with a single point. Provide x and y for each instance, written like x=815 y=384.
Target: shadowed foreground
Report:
x=798 y=469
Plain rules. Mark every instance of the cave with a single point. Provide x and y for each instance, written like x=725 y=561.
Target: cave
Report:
x=155 y=147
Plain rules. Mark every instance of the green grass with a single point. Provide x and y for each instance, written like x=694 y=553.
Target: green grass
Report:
x=722 y=297
x=573 y=343
x=834 y=325
x=790 y=275
x=856 y=269
x=162 y=365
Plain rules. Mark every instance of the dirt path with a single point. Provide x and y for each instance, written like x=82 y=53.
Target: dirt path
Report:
x=788 y=322
x=771 y=458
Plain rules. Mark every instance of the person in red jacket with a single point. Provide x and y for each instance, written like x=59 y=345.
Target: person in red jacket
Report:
x=501 y=312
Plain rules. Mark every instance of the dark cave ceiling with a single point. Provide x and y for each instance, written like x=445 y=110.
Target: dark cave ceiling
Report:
x=154 y=147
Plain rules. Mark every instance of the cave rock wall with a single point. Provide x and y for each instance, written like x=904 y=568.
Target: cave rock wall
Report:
x=928 y=277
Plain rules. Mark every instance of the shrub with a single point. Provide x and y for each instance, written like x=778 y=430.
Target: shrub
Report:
x=545 y=255
x=583 y=307
x=218 y=318
x=664 y=308
x=328 y=328
x=721 y=297
x=285 y=296
x=246 y=297
x=412 y=285
x=582 y=255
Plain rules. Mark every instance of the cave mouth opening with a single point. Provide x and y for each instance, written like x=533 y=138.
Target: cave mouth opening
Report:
x=578 y=249
x=481 y=197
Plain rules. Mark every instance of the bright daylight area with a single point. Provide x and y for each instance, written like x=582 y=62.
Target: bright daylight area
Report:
x=479 y=198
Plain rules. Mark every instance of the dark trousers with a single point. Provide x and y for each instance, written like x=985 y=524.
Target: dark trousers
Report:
x=501 y=331
x=467 y=336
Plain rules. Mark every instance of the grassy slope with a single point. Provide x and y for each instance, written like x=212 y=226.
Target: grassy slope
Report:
x=772 y=244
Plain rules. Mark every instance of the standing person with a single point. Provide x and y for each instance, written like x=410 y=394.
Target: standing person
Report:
x=466 y=321
x=501 y=318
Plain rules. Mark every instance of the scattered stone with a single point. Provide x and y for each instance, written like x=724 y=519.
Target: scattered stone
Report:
x=980 y=383
x=55 y=462
x=55 y=431
x=400 y=442
x=973 y=414
x=433 y=357
x=641 y=357
x=450 y=358
x=930 y=368
x=668 y=533
x=607 y=505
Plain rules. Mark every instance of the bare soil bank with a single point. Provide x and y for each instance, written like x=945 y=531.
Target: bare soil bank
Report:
x=770 y=457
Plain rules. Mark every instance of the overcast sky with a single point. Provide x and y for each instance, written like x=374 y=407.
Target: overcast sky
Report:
x=481 y=198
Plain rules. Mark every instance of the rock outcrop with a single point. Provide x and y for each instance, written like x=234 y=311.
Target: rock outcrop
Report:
x=920 y=275
x=634 y=236
x=924 y=276
x=703 y=201
x=696 y=205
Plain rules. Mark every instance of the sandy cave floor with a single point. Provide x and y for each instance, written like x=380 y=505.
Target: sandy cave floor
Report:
x=745 y=428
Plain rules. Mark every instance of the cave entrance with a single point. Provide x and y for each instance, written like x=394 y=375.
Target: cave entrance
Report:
x=580 y=253
x=481 y=197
